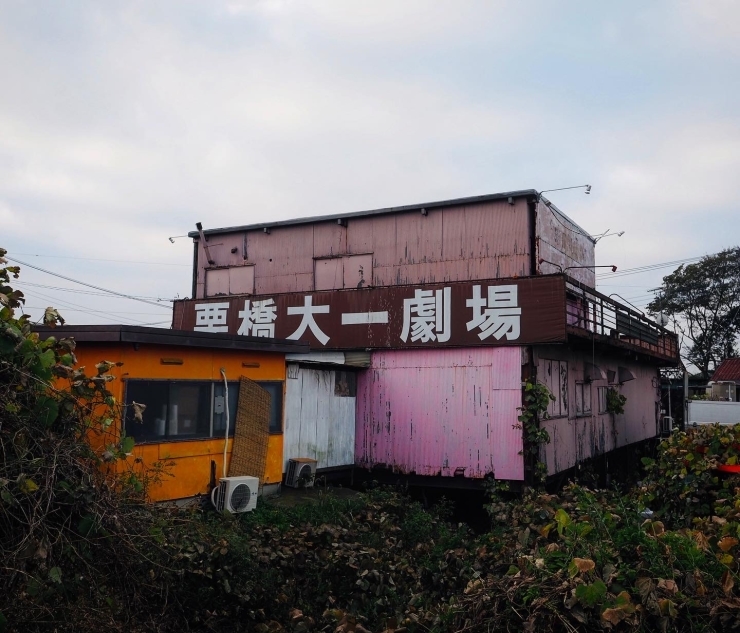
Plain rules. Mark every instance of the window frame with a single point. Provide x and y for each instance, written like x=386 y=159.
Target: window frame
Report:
x=599 y=390
x=562 y=388
x=581 y=386
x=127 y=418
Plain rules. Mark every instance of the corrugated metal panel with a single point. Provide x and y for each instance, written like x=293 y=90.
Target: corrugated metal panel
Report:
x=358 y=271
x=710 y=412
x=729 y=369
x=574 y=437
x=318 y=423
x=329 y=238
x=563 y=244
x=357 y=359
x=419 y=237
x=328 y=274
x=432 y=412
x=332 y=358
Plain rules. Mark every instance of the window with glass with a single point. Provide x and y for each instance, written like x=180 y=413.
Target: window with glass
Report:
x=602 y=399
x=180 y=409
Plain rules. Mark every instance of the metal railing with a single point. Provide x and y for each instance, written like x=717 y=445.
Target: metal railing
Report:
x=592 y=314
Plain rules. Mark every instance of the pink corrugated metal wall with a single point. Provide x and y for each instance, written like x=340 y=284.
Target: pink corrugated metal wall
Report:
x=431 y=412
x=575 y=437
x=478 y=241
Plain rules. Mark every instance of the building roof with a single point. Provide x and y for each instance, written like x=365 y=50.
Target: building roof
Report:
x=161 y=336
x=522 y=193
x=729 y=369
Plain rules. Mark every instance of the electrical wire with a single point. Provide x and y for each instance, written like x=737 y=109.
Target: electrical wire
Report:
x=555 y=215
x=82 y=292
x=92 y=311
x=96 y=259
x=643 y=269
x=82 y=283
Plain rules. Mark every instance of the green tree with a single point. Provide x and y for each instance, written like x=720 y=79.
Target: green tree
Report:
x=704 y=301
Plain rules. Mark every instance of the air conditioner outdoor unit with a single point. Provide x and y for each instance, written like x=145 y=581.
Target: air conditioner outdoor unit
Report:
x=235 y=494
x=301 y=472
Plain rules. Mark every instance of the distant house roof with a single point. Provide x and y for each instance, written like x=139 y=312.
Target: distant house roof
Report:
x=161 y=336
x=729 y=369
x=521 y=193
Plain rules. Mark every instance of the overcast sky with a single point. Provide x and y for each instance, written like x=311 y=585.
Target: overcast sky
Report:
x=122 y=124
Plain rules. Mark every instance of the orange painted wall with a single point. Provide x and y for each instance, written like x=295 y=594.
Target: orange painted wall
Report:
x=190 y=469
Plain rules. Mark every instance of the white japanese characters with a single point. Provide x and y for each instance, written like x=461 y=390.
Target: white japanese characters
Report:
x=258 y=319
x=307 y=310
x=427 y=317
x=431 y=316
x=211 y=317
x=499 y=315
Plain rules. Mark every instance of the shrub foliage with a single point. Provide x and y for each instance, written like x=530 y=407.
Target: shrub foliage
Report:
x=80 y=550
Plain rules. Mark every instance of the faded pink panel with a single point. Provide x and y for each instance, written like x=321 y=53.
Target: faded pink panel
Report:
x=283 y=251
x=241 y=280
x=433 y=412
x=360 y=235
x=217 y=282
x=419 y=237
x=485 y=231
x=493 y=267
x=329 y=274
x=284 y=283
x=329 y=238
x=358 y=271
x=384 y=241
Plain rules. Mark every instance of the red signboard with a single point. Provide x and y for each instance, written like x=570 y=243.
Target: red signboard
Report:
x=519 y=311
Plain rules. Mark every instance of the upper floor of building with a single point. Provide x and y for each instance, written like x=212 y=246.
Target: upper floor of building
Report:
x=503 y=235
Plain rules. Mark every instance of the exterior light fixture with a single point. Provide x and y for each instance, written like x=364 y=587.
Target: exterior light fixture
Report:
x=174 y=237
x=612 y=266
x=586 y=187
x=424 y=211
x=544 y=261
x=606 y=233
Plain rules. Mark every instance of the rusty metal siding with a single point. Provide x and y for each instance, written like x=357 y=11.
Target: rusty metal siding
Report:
x=433 y=412
x=484 y=240
x=573 y=437
x=329 y=238
x=283 y=261
x=318 y=423
x=561 y=242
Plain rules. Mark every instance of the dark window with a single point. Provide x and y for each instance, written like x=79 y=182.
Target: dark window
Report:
x=275 y=389
x=345 y=384
x=602 y=399
x=182 y=409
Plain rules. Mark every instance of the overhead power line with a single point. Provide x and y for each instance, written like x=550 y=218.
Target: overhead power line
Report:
x=97 y=259
x=82 y=283
x=648 y=268
x=81 y=292
x=67 y=305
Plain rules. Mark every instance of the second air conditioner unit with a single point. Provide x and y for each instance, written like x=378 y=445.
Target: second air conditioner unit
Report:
x=301 y=472
x=235 y=494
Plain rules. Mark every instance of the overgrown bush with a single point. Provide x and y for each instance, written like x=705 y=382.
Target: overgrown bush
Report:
x=683 y=482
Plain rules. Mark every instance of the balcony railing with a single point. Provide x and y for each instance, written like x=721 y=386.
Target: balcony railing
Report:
x=594 y=315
